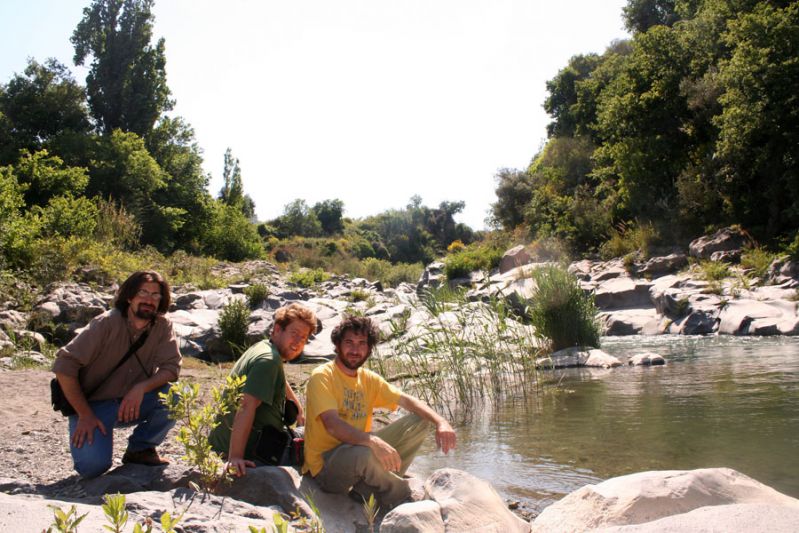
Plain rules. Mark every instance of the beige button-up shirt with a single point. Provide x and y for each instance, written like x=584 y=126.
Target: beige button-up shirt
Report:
x=96 y=350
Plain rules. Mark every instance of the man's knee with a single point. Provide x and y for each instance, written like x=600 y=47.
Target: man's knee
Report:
x=92 y=466
x=362 y=458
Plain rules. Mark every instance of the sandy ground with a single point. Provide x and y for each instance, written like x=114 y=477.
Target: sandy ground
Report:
x=34 y=441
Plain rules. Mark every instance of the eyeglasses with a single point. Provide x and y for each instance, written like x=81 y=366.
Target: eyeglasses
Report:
x=142 y=293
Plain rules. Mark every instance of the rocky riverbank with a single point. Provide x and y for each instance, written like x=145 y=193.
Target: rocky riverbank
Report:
x=662 y=295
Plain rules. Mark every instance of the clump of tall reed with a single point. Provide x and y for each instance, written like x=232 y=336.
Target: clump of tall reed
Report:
x=561 y=312
x=463 y=353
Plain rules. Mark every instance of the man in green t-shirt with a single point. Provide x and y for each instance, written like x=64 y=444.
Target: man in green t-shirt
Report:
x=242 y=436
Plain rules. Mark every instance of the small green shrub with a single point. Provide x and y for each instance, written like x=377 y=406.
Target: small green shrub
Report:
x=758 y=260
x=65 y=522
x=471 y=259
x=627 y=238
x=390 y=275
x=713 y=270
x=308 y=278
x=233 y=322
x=256 y=294
x=360 y=295
x=793 y=248
x=197 y=421
x=561 y=312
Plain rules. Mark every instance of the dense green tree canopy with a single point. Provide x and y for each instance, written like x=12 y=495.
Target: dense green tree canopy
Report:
x=38 y=107
x=690 y=124
x=127 y=77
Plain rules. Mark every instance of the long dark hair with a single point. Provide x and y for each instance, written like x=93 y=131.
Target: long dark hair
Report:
x=127 y=291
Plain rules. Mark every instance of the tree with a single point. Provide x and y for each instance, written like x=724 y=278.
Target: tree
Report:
x=232 y=192
x=640 y=15
x=127 y=78
x=45 y=177
x=758 y=139
x=174 y=148
x=562 y=102
x=231 y=236
x=514 y=192
x=15 y=231
x=297 y=219
x=40 y=106
x=330 y=214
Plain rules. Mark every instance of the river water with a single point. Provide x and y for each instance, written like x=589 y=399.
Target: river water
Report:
x=719 y=401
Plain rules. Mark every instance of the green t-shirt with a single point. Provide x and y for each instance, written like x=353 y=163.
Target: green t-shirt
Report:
x=267 y=382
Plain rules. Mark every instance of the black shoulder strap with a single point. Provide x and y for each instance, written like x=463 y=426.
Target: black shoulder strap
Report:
x=133 y=347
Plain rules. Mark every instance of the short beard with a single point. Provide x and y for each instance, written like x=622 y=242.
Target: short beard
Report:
x=354 y=366
x=144 y=314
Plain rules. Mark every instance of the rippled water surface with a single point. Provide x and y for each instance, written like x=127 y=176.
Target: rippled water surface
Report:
x=720 y=401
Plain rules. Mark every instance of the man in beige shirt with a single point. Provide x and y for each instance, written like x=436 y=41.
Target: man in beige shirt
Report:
x=103 y=396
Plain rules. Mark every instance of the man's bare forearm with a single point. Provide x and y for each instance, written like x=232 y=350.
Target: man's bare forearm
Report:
x=344 y=432
x=418 y=407
x=242 y=426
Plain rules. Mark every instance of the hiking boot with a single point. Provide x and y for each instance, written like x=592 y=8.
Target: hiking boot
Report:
x=147 y=456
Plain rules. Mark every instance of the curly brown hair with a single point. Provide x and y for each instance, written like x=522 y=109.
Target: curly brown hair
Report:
x=289 y=313
x=357 y=324
x=127 y=291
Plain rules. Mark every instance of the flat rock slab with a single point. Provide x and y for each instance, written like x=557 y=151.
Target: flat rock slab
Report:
x=649 y=496
x=747 y=517
x=31 y=513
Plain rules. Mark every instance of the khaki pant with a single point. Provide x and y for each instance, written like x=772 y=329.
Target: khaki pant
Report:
x=348 y=466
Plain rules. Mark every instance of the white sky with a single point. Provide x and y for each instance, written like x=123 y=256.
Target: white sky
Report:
x=369 y=101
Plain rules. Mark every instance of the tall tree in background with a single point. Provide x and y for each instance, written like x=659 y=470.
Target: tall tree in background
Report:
x=126 y=84
x=330 y=213
x=232 y=192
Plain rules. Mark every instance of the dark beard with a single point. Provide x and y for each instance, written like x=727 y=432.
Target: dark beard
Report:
x=145 y=314
x=354 y=366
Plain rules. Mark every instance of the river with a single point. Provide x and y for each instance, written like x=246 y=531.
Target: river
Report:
x=719 y=401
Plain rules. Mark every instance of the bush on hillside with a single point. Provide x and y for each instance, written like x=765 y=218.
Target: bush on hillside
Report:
x=256 y=294
x=758 y=260
x=477 y=258
x=390 y=275
x=233 y=322
x=561 y=312
x=308 y=278
x=629 y=239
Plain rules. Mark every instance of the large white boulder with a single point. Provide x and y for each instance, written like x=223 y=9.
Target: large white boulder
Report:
x=470 y=504
x=744 y=517
x=649 y=496
x=415 y=517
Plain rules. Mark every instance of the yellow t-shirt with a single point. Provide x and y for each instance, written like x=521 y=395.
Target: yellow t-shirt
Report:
x=353 y=397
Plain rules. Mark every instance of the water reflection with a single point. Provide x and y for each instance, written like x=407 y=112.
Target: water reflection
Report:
x=720 y=401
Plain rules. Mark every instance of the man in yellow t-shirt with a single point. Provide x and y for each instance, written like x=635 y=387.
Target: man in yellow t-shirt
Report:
x=341 y=452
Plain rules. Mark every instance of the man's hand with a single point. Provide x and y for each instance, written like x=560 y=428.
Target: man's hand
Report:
x=129 y=407
x=84 y=431
x=238 y=466
x=445 y=436
x=300 y=415
x=385 y=453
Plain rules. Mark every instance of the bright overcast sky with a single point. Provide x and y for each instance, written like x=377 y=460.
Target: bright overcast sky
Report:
x=369 y=101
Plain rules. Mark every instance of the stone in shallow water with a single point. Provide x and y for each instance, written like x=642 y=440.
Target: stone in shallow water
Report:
x=577 y=356
x=646 y=359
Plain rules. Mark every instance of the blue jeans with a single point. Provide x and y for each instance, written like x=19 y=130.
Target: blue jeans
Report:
x=153 y=424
